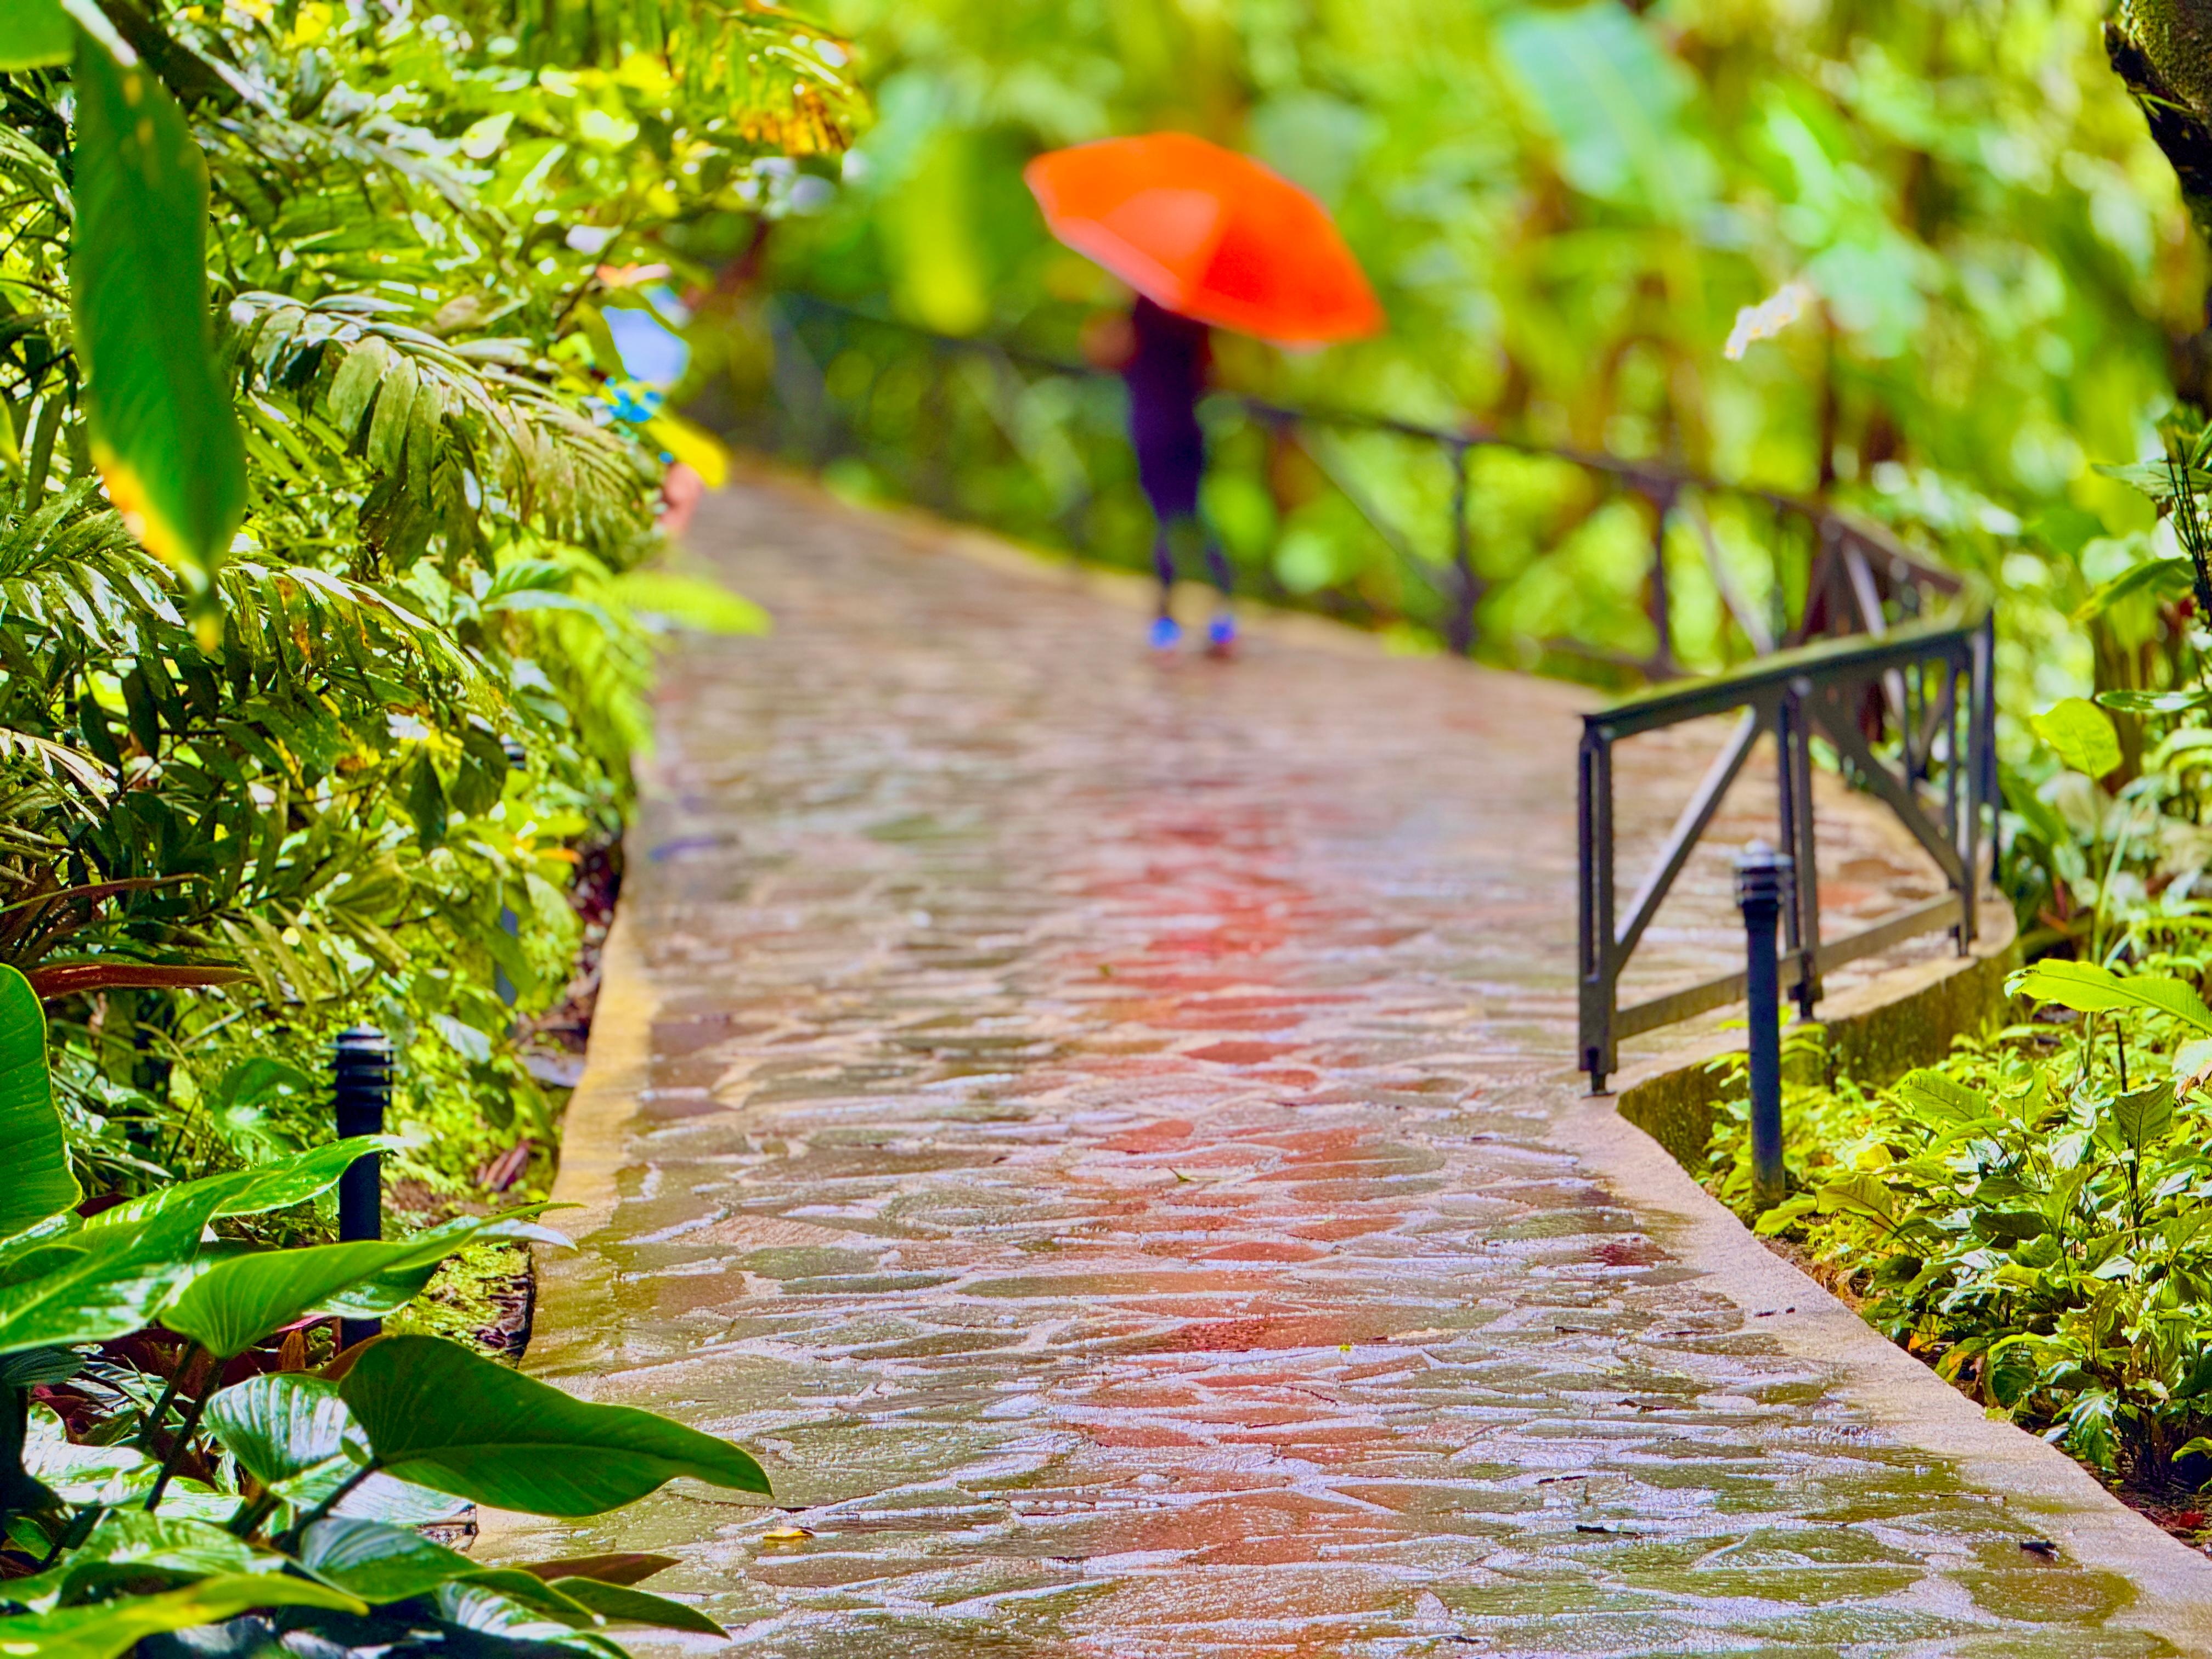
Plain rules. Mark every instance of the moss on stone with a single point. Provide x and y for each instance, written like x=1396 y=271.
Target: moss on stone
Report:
x=1677 y=1106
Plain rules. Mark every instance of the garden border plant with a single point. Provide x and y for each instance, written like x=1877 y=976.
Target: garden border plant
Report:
x=328 y=565
x=270 y=1499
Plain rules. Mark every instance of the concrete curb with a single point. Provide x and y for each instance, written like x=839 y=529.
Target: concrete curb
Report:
x=1903 y=1018
x=594 y=1149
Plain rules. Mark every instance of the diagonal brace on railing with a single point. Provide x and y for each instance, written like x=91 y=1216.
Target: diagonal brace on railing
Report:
x=1828 y=687
x=1682 y=841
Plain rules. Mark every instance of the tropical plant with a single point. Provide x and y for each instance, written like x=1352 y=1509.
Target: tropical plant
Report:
x=327 y=563
x=247 y=1488
x=1961 y=265
x=2035 y=1217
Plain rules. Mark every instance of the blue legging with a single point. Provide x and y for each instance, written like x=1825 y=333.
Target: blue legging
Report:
x=1164 y=560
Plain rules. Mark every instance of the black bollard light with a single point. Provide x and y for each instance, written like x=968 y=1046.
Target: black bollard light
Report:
x=1763 y=882
x=509 y=923
x=360 y=1076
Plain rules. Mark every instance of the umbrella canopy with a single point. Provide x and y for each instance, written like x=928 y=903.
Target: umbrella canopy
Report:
x=1208 y=232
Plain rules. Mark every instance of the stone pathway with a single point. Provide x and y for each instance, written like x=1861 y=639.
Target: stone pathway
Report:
x=1098 y=1146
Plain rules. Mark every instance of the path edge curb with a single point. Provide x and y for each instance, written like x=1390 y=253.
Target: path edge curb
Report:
x=586 y=1186
x=1628 y=1140
x=595 y=1149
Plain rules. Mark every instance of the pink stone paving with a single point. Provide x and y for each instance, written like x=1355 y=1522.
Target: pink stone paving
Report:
x=1096 y=1151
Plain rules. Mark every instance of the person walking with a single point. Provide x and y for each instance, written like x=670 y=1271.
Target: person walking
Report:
x=1165 y=367
x=1207 y=238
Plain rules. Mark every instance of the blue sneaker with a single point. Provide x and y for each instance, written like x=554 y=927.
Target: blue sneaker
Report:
x=1221 y=636
x=1167 y=633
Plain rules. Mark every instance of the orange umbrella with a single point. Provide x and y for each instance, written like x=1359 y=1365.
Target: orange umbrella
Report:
x=1208 y=232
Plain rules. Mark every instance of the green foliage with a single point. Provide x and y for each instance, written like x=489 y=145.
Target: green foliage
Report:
x=2029 y=1218
x=158 y=420
x=39 y=33
x=103 y=1630
x=289 y=573
x=2088 y=988
x=311 y=305
x=281 y=1427
x=1563 y=209
x=30 y=1147
x=2081 y=734
x=523 y=1445
x=307 y=1475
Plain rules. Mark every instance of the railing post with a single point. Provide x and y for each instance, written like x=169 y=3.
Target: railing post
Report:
x=1793 y=734
x=1762 y=877
x=509 y=923
x=1982 y=789
x=361 y=1077
x=1660 y=602
x=1596 y=967
x=1468 y=592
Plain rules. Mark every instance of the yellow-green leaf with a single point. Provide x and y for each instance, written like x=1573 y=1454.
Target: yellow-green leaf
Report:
x=39 y=1182
x=2088 y=988
x=162 y=426
x=672 y=600
x=2081 y=734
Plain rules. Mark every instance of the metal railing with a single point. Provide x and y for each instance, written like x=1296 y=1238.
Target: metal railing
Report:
x=1898 y=683
x=1856 y=573
x=1908 y=716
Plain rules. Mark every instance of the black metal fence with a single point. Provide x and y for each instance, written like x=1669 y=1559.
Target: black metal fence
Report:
x=1833 y=571
x=1847 y=646
x=1910 y=717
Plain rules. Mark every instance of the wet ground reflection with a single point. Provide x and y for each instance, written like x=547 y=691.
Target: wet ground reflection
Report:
x=1096 y=1150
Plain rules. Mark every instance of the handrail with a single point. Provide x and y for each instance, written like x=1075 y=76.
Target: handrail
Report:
x=1901 y=689
x=1859 y=571
x=1860 y=582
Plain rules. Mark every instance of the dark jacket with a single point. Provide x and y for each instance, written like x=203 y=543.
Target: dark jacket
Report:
x=1166 y=376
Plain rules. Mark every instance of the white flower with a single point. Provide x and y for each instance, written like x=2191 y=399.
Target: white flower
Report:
x=1768 y=317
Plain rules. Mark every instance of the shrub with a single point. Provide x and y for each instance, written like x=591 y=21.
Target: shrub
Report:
x=246 y=1487
x=327 y=557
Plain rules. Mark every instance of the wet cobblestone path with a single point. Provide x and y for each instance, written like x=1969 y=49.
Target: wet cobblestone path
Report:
x=1096 y=1152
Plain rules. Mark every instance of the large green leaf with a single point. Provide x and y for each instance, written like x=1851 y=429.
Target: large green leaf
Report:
x=34 y=34
x=1865 y=1196
x=2090 y=989
x=672 y=598
x=281 y=1425
x=2145 y=1117
x=131 y=1551
x=237 y=1302
x=103 y=1281
x=527 y=1589
x=1614 y=98
x=2162 y=578
x=379 y=1562
x=620 y=1604
x=401 y=1281
x=39 y=1182
x=2081 y=734
x=79 y=1473
x=293 y=1433
x=310 y=1174
x=1938 y=1096
x=442 y=1417
x=106 y=1629
x=250 y=1192
x=619 y=1567
x=162 y=426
